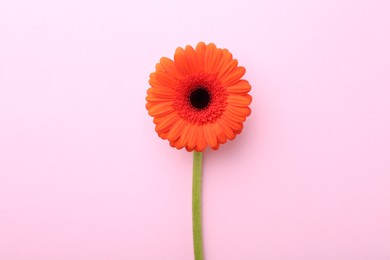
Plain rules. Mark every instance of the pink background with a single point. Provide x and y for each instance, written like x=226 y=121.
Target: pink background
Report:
x=83 y=175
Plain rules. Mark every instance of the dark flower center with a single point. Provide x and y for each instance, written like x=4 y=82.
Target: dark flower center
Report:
x=200 y=97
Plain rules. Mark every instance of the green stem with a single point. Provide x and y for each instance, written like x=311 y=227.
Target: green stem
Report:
x=197 y=206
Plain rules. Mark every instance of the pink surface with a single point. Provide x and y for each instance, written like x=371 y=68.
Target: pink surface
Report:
x=83 y=175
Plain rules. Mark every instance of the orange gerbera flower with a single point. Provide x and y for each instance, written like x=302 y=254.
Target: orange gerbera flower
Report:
x=198 y=99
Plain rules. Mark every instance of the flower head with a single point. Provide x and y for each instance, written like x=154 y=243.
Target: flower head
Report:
x=198 y=99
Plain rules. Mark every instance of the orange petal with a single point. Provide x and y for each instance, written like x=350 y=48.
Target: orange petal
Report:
x=226 y=56
x=200 y=53
x=161 y=92
x=226 y=128
x=159 y=67
x=233 y=77
x=182 y=141
x=200 y=140
x=241 y=87
x=219 y=132
x=234 y=125
x=181 y=62
x=210 y=136
x=162 y=135
x=240 y=111
x=160 y=109
x=215 y=147
x=239 y=100
x=153 y=80
x=234 y=117
x=167 y=80
x=228 y=68
x=210 y=57
x=176 y=129
x=154 y=99
x=191 y=58
x=217 y=60
x=191 y=135
x=164 y=124
x=170 y=68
